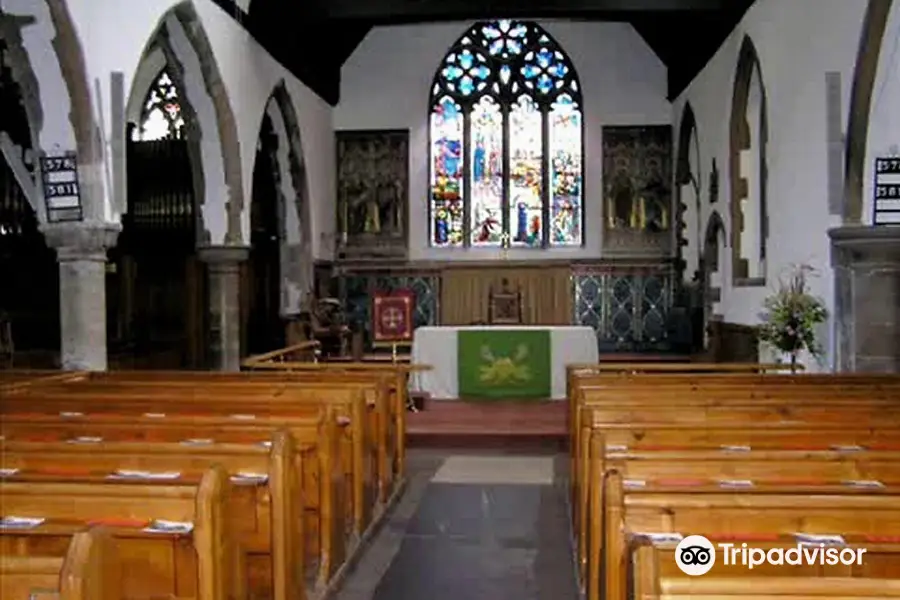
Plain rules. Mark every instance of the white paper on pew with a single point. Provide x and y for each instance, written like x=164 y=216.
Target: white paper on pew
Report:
x=250 y=478
x=266 y=443
x=863 y=483
x=85 y=439
x=848 y=448
x=156 y=476
x=659 y=538
x=70 y=414
x=343 y=420
x=244 y=417
x=736 y=483
x=155 y=415
x=634 y=483
x=815 y=538
x=8 y=472
x=616 y=448
x=736 y=448
x=197 y=442
x=20 y=522
x=160 y=526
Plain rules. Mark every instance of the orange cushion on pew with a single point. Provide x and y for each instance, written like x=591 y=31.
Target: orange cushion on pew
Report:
x=743 y=537
x=123 y=523
x=64 y=471
x=680 y=482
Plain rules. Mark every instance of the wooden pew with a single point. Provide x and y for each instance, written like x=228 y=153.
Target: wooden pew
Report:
x=88 y=571
x=272 y=534
x=379 y=386
x=250 y=404
x=203 y=564
x=703 y=510
x=386 y=393
x=323 y=480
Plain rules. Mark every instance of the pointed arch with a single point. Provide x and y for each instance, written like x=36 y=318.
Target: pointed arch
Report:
x=506 y=141
x=864 y=75
x=747 y=170
x=182 y=43
x=294 y=209
x=687 y=175
x=714 y=234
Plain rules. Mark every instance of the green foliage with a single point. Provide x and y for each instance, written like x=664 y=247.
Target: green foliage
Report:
x=792 y=314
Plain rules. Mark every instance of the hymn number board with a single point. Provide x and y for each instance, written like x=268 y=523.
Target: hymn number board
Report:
x=61 y=191
x=887 y=191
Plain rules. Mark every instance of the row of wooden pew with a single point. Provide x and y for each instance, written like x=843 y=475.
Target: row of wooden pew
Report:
x=193 y=485
x=763 y=460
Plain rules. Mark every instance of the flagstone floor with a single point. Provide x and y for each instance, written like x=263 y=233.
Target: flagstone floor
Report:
x=472 y=526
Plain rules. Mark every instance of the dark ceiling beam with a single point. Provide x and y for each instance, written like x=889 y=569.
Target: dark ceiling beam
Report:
x=431 y=10
x=275 y=24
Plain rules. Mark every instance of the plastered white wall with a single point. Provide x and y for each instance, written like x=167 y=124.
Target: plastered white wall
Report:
x=114 y=35
x=797 y=43
x=884 y=121
x=386 y=84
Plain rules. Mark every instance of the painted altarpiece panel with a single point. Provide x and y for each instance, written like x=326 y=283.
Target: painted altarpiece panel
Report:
x=372 y=193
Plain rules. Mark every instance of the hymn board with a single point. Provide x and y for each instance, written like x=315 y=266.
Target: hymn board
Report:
x=887 y=191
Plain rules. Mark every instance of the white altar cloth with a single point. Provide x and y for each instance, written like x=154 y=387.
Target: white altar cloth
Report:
x=436 y=346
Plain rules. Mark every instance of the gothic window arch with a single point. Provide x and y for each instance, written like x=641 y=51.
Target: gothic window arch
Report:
x=748 y=170
x=161 y=116
x=506 y=141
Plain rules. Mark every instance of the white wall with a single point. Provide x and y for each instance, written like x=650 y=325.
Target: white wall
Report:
x=386 y=84
x=884 y=120
x=113 y=36
x=797 y=43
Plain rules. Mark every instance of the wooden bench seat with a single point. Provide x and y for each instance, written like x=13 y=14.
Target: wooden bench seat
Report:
x=257 y=399
x=774 y=588
x=327 y=500
x=391 y=384
x=88 y=571
x=703 y=509
x=272 y=532
x=203 y=564
x=358 y=454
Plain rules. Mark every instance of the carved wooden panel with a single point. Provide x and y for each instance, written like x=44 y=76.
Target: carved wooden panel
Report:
x=637 y=190
x=373 y=193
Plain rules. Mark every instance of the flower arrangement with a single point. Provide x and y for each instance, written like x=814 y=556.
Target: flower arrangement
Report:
x=791 y=316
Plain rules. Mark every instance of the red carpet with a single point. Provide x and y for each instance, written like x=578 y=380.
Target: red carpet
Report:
x=457 y=423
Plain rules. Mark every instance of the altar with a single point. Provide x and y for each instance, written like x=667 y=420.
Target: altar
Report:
x=498 y=362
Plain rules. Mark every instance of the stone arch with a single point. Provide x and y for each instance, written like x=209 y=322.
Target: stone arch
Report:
x=294 y=210
x=180 y=43
x=56 y=95
x=864 y=75
x=687 y=190
x=714 y=240
x=741 y=139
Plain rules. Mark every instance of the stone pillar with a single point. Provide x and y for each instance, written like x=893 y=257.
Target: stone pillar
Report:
x=224 y=264
x=866 y=263
x=81 y=252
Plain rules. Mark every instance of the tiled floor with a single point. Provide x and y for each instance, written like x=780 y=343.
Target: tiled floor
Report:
x=472 y=527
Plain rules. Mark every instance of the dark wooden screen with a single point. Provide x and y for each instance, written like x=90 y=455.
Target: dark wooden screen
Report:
x=29 y=275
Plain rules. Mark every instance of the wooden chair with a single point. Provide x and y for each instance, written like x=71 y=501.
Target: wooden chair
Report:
x=505 y=305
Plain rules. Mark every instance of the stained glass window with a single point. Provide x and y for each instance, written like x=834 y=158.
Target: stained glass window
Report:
x=161 y=117
x=506 y=141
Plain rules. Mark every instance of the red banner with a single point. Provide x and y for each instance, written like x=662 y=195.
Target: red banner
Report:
x=392 y=317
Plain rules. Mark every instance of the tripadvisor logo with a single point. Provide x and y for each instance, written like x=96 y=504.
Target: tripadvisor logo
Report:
x=696 y=555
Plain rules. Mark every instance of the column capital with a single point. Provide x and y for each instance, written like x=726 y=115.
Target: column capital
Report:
x=83 y=240
x=865 y=244
x=223 y=257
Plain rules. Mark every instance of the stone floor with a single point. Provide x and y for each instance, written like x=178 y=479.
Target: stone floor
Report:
x=471 y=527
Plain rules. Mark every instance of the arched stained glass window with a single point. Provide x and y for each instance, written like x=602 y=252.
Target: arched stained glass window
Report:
x=506 y=141
x=161 y=116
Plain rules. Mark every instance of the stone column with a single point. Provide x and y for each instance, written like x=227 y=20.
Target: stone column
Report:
x=81 y=252
x=224 y=263
x=866 y=263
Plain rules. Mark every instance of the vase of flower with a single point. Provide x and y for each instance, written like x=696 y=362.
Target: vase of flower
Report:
x=791 y=316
